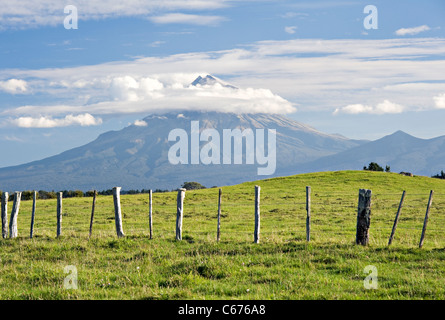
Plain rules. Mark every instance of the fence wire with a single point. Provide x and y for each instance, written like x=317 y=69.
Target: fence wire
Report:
x=333 y=217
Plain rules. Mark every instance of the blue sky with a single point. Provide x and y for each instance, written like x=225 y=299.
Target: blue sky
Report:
x=312 y=60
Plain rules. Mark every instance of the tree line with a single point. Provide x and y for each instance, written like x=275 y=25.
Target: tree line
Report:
x=373 y=166
x=42 y=194
x=440 y=175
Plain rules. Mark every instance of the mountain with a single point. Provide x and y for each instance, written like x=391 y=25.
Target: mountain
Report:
x=209 y=80
x=136 y=157
x=401 y=151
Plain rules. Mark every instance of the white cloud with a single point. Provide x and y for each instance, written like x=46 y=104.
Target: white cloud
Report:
x=290 y=15
x=353 y=109
x=14 y=86
x=312 y=74
x=128 y=88
x=388 y=107
x=30 y=13
x=321 y=4
x=439 y=101
x=412 y=31
x=130 y=95
x=140 y=123
x=385 y=107
x=156 y=44
x=291 y=29
x=149 y=85
x=124 y=88
x=183 y=18
x=48 y=122
x=12 y=138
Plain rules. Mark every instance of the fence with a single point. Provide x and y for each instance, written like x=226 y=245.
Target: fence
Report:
x=305 y=215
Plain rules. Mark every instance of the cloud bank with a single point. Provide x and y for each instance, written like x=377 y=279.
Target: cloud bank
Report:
x=183 y=18
x=140 y=123
x=14 y=86
x=48 y=122
x=439 y=101
x=30 y=13
x=291 y=29
x=142 y=95
x=385 y=107
x=342 y=76
x=412 y=31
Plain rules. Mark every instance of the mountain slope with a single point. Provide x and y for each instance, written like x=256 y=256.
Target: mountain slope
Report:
x=136 y=157
x=401 y=151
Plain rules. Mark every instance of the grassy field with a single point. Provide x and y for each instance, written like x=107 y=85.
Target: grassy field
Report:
x=282 y=266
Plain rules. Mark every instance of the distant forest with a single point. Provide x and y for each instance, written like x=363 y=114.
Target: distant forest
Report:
x=42 y=194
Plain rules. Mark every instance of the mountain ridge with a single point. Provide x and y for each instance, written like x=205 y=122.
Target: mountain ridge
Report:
x=400 y=150
x=135 y=157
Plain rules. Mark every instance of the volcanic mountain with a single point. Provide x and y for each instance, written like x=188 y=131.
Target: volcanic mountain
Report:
x=136 y=157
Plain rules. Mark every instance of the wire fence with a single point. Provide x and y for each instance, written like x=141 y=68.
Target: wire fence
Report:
x=283 y=217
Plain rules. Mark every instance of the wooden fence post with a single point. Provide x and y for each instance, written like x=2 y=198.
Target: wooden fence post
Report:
x=5 y=196
x=15 y=212
x=218 y=229
x=308 y=210
x=425 y=222
x=150 y=213
x=59 y=213
x=117 y=211
x=256 y=235
x=33 y=213
x=363 y=217
x=397 y=218
x=92 y=213
x=179 y=212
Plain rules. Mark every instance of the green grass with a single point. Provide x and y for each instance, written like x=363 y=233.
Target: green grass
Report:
x=282 y=266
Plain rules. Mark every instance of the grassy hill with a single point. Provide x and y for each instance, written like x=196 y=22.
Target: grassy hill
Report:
x=282 y=266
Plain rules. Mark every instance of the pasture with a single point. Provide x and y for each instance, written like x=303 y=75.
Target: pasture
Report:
x=283 y=265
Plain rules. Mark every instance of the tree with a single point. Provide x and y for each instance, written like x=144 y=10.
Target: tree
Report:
x=388 y=169
x=441 y=175
x=373 y=166
x=89 y=193
x=46 y=195
x=192 y=186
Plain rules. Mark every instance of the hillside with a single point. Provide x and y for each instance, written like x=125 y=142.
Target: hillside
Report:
x=282 y=266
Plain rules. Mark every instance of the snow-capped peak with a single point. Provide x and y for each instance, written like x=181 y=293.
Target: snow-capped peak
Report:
x=209 y=80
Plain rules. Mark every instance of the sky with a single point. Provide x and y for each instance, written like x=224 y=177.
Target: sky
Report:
x=71 y=70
